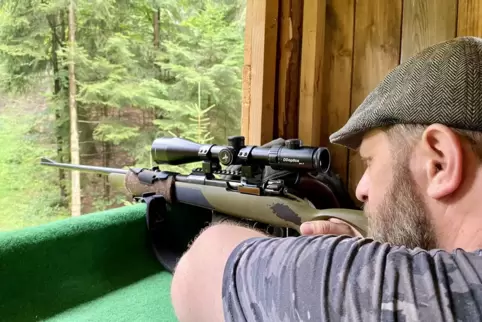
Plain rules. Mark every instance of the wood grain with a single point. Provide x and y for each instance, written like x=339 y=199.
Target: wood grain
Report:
x=311 y=83
x=289 y=53
x=376 y=53
x=246 y=86
x=469 y=22
x=259 y=72
x=425 y=23
x=263 y=72
x=337 y=71
x=347 y=48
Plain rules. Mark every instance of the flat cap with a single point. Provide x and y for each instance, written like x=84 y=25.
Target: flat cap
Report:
x=441 y=84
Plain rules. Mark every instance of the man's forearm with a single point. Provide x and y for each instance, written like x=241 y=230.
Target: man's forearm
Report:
x=196 y=288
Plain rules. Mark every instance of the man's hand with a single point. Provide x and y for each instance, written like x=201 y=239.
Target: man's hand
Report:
x=332 y=226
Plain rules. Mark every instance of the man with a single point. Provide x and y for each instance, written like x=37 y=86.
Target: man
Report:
x=420 y=135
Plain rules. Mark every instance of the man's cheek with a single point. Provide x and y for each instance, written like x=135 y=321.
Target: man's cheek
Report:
x=376 y=198
x=381 y=184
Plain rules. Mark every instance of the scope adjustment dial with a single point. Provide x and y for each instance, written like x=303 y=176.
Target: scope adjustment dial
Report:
x=293 y=144
x=236 y=141
x=226 y=156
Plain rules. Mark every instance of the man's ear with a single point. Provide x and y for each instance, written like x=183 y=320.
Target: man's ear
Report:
x=443 y=154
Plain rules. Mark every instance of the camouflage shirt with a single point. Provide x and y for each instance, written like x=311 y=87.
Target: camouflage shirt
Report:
x=338 y=278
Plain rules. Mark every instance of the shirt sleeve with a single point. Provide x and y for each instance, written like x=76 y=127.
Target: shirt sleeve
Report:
x=338 y=278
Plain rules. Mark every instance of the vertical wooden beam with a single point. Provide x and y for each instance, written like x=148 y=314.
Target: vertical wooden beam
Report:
x=246 y=86
x=376 y=53
x=337 y=72
x=289 y=56
x=469 y=22
x=425 y=23
x=259 y=72
x=311 y=83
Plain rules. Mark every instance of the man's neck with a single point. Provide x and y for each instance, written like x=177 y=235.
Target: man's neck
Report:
x=460 y=228
x=458 y=221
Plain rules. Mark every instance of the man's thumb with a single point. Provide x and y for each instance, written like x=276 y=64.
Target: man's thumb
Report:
x=320 y=227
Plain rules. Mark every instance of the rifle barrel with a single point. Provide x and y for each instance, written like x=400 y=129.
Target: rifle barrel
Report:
x=85 y=168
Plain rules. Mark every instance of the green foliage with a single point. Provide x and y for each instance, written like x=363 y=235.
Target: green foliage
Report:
x=130 y=89
x=101 y=204
x=189 y=121
x=28 y=195
x=24 y=34
x=210 y=53
x=114 y=132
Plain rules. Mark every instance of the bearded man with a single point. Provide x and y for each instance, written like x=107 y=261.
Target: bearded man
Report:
x=420 y=135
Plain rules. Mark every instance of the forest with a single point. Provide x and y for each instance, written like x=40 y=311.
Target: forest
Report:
x=96 y=81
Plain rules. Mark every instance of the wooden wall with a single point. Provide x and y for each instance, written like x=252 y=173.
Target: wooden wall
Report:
x=310 y=63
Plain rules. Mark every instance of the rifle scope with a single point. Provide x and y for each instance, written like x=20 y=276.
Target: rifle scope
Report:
x=291 y=156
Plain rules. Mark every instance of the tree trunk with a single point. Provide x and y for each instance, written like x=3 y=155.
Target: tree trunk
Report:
x=56 y=43
x=74 y=133
x=106 y=159
x=156 y=26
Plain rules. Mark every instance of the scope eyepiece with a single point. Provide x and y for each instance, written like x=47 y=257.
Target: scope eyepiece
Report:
x=292 y=156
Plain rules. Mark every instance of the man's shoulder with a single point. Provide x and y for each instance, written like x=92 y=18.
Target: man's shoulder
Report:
x=433 y=285
x=342 y=278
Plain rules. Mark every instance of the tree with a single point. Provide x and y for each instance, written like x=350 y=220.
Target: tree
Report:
x=31 y=35
x=121 y=73
x=74 y=134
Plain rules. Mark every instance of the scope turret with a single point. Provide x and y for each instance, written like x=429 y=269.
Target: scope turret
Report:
x=292 y=156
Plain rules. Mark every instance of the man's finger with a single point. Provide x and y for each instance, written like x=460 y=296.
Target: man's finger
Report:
x=354 y=232
x=322 y=227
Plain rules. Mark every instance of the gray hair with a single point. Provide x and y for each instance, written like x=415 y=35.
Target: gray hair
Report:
x=407 y=135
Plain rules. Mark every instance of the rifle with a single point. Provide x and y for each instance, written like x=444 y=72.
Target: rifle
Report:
x=243 y=191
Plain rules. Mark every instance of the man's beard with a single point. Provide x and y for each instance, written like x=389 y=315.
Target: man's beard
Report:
x=402 y=218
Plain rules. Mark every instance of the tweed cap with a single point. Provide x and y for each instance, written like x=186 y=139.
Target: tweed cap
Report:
x=441 y=84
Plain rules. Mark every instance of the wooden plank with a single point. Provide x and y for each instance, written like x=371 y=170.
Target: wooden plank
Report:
x=246 y=86
x=289 y=49
x=337 y=70
x=469 y=18
x=376 y=53
x=264 y=36
x=311 y=82
x=425 y=23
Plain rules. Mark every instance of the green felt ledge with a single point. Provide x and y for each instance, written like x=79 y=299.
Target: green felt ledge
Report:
x=96 y=267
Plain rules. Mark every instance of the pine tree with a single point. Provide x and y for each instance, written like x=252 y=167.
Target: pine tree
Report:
x=175 y=64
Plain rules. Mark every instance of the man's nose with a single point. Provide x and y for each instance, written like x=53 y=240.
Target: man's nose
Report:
x=362 y=189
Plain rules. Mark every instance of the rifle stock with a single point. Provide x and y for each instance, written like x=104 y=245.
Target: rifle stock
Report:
x=286 y=212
